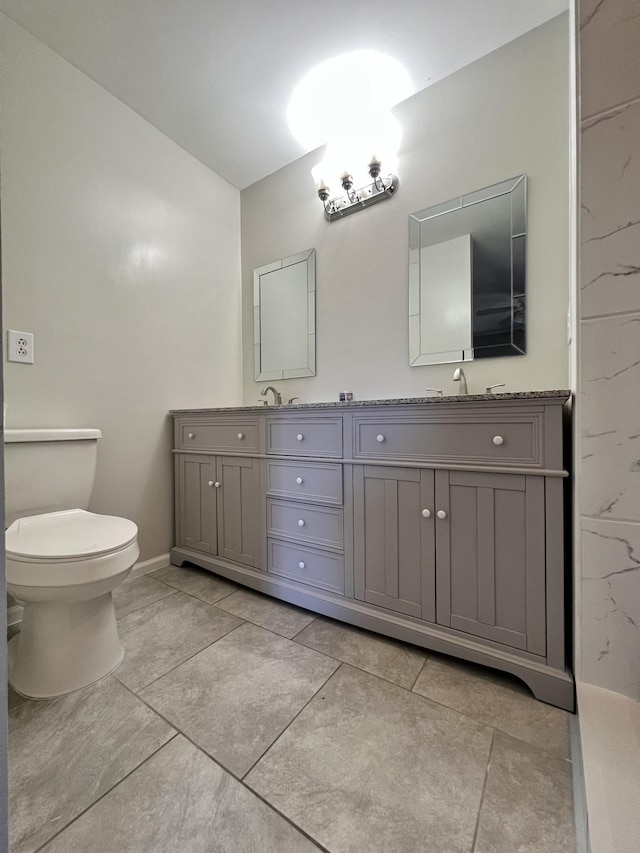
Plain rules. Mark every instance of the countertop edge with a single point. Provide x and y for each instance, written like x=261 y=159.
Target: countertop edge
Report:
x=560 y=395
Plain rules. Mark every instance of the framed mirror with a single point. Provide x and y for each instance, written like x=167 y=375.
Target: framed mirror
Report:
x=467 y=276
x=284 y=317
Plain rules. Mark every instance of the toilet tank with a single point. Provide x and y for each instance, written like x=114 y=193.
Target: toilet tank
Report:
x=47 y=470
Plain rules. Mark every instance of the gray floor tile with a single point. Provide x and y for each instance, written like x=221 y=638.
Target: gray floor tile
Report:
x=197 y=582
x=165 y=634
x=370 y=766
x=394 y=661
x=277 y=616
x=180 y=800
x=528 y=801
x=65 y=753
x=136 y=594
x=235 y=698
x=496 y=699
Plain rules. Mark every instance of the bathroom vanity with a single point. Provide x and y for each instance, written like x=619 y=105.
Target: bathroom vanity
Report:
x=438 y=521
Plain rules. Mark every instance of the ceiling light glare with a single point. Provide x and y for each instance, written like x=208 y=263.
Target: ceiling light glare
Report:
x=347 y=94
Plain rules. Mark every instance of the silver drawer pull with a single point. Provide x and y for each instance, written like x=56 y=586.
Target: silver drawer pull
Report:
x=211 y=482
x=380 y=438
x=299 y=480
x=426 y=513
x=299 y=436
x=301 y=564
x=498 y=440
x=217 y=484
x=241 y=435
x=301 y=522
x=192 y=435
x=442 y=513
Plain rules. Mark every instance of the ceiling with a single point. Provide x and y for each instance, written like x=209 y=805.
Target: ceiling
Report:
x=216 y=75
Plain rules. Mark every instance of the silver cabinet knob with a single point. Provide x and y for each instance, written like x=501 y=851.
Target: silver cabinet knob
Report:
x=301 y=522
x=380 y=438
x=441 y=513
x=498 y=440
x=301 y=564
x=217 y=484
x=426 y=513
x=241 y=435
x=192 y=435
x=299 y=480
x=211 y=482
x=299 y=436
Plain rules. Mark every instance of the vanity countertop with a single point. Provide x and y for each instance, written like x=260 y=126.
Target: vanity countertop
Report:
x=401 y=401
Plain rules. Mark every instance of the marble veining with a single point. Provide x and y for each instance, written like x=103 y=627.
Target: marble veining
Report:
x=400 y=401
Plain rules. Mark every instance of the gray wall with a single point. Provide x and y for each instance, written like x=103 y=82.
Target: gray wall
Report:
x=121 y=253
x=505 y=114
x=609 y=355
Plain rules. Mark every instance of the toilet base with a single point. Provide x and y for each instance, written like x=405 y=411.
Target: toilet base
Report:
x=64 y=646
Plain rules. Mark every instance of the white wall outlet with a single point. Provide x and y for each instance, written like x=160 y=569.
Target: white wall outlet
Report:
x=20 y=347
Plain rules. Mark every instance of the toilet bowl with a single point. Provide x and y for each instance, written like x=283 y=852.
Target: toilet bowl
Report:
x=61 y=565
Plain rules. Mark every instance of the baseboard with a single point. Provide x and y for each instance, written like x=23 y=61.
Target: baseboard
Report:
x=149 y=566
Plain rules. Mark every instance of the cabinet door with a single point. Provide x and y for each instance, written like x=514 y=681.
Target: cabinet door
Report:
x=239 y=509
x=197 y=526
x=394 y=541
x=491 y=556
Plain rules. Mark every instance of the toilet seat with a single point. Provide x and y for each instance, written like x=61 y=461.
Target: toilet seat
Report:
x=69 y=535
x=67 y=549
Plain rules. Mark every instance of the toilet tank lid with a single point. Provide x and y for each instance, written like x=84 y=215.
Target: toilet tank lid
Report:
x=20 y=435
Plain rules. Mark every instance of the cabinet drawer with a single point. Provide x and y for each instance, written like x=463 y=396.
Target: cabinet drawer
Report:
x=312 y=481
x=223 y=436
x=316 y=525
x=305 y=436
x=480 y=440
x=316 y=568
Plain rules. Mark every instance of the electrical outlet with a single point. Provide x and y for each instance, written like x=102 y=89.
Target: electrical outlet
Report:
x=20 y=347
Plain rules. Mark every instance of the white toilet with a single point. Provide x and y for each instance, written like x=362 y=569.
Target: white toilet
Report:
x=62 y=562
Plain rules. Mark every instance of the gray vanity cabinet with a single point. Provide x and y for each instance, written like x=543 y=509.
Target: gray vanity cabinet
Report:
x=436 y=522
x=490 y=565
x=218 y=506
x=393 y=540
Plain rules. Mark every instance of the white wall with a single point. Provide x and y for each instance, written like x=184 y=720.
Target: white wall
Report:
x=121 y=253
x=505 y=114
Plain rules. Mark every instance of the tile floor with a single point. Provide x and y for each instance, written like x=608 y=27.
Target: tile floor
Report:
x=239 y=724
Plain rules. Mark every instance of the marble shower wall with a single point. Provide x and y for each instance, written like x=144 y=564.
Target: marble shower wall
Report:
x=609 y=407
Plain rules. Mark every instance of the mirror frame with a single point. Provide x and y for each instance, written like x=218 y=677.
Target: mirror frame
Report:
x=308 y=258
x=515 y=187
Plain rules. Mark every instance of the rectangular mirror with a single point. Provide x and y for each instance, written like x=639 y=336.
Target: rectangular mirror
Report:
x=284 y=317
x=467 y=276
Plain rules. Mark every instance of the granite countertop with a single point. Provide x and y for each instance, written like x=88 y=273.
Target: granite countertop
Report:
x=401 y=401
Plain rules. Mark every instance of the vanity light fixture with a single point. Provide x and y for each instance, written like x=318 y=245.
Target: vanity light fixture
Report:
x=357 y=199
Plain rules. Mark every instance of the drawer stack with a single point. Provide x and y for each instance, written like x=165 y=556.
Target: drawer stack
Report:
x=305 y=523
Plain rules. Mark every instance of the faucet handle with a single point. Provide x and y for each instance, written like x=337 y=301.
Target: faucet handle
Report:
x=263 y=401
x=438 y=391
x=292 y=399
x=489 y=388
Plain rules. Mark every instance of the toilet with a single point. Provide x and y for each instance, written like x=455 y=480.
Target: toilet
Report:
x=62 y=562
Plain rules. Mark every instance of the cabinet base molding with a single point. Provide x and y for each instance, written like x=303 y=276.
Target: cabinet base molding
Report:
x=548 y=684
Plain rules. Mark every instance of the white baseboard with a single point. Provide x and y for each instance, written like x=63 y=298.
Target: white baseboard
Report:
x=149 y=566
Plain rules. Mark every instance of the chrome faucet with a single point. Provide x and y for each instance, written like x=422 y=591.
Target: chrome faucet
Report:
x=458 y=376
x=277 y=396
